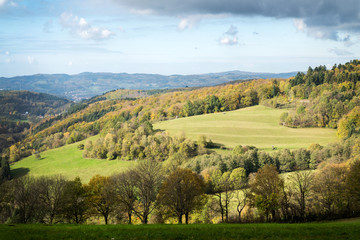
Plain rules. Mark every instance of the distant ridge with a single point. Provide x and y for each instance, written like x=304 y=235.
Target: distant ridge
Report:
x=86 y=85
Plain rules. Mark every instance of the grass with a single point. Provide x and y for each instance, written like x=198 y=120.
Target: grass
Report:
x=68 y=162
x=257 y=126
x=330 y=230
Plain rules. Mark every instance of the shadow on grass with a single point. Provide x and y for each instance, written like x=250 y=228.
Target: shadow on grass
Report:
x=19 y=172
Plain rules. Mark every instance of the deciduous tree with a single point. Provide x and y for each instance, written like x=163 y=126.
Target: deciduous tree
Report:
x=182 y=193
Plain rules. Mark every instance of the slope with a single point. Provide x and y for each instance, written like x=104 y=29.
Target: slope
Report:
x=68 y=162
x=257 y=126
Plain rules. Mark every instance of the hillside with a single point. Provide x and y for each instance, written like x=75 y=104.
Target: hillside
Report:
x=17 y=108
x=20 y=103
x=87 y=85
x=68 y=162
x=256 y=126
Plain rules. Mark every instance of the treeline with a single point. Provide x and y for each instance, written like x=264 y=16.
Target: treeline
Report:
x=152 y=193
x=252 y=159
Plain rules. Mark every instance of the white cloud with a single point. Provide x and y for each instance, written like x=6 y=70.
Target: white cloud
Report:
x=81 y=28
x=2 y=2
x=300 y=24
x=227 y=40
x=9 y=58
x=230 y=37
x=188 y=23
x=31 y=60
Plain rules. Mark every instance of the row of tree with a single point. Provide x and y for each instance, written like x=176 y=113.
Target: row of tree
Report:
x=152 y=192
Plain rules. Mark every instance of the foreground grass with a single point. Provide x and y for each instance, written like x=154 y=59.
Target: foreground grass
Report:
x=257 y=126
x=333 y=230
x=68 y=162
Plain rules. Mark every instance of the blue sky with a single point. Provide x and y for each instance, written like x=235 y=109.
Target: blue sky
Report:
x=175 y=37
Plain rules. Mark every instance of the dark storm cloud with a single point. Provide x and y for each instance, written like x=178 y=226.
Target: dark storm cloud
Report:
x=330 y=15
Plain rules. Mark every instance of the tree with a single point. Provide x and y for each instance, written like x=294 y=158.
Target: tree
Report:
x=349 y=124
x=148 y=179
x=182 y=193
x=75 y=203
x=266 y=188
x=353 y=186
x=330 y=185
x=123 y=185
x=4 y=170
x=25 y=199
x=50 y=193
x=302 y=184
x=223 y=186
x=99 y=196
x=238 y=178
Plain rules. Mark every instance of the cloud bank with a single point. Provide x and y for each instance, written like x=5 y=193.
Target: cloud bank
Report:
x=320 y=19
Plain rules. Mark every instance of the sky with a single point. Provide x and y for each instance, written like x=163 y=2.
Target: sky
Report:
x=176 y=36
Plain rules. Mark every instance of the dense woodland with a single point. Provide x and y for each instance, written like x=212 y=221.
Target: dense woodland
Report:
x=247 y=176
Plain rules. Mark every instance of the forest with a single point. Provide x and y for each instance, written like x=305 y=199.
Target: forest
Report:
x=245 y=185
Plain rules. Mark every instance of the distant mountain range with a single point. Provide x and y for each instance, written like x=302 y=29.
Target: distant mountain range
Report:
x=86 y=85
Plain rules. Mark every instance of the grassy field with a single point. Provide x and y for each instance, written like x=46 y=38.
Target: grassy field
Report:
x=333 y=230
x=257 y=126
x=67 y=161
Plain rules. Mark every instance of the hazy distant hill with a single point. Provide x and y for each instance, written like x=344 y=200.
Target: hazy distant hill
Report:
x=86 y=85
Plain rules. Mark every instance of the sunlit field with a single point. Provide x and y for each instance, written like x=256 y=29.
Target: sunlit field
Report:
x=257 y=126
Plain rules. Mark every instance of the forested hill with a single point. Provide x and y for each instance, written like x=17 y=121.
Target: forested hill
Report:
x=18 y=104
x=319 y=98
x=87 y=85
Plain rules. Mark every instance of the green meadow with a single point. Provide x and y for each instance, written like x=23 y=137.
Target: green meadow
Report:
x=330 y=230
x=68 y=162
x=257 y=126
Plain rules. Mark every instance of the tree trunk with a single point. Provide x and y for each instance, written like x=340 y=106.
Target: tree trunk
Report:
x=145 y=221
x=106 y=218
x=129 y=216
x=187 y=218
x=180 y=218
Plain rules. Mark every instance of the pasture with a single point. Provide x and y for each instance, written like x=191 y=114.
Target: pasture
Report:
x=68 y=162
x=257 y=126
